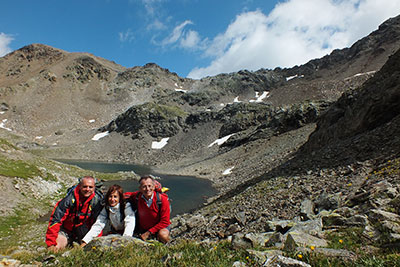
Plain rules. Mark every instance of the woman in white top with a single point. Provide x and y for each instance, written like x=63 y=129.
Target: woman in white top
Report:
x=118 y=212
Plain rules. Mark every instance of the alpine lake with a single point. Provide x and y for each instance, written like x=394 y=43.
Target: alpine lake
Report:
x=186 y=193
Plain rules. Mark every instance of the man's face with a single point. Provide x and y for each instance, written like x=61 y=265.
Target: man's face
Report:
x=87 y=187
x=146 y=187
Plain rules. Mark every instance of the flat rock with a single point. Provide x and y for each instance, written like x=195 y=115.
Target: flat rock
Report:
x=300 y=239
x=113 y=242
x=284 y=262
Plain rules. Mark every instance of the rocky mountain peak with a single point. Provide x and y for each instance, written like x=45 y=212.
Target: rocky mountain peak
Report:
x=38 y=52
x=155 y=67
x=86 y=67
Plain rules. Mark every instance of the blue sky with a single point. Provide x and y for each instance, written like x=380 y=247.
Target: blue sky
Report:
x=194 y=38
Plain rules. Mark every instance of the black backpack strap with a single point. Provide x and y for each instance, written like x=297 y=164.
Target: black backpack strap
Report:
x=159 y=202
x=134 y=202
x=97 y=204
x=107 y=212
x=75 y=235
x=122 y=211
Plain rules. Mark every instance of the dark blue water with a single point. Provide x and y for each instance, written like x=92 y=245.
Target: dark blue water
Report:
x=186 y=192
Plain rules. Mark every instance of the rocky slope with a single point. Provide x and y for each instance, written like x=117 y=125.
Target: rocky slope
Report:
x=311 y=133
x=346 y=148
x=342 y=184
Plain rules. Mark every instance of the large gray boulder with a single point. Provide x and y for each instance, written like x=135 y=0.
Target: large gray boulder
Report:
x=301 y=239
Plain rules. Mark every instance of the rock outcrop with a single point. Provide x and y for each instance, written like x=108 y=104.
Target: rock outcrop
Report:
x=375 y=103
x=155 y=120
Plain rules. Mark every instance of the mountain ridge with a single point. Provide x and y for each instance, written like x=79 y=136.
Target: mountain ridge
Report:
x=89 y=97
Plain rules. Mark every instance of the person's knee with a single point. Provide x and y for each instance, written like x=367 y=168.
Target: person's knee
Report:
x=163 y=235
x=62 y=242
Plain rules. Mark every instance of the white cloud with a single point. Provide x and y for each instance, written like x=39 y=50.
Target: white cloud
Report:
x=190 y=40
x=293 y=33
x=156 y=25
x=182 y=38
x=151 y=6
x=176 y=34
x=159 y=23
x=5 y=41
x=126 y=36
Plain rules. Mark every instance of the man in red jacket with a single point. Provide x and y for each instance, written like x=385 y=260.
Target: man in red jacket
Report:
x=154 y=218
x=73 y=215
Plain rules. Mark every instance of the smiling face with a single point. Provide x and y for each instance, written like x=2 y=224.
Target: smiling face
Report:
x=87 y=187
x=146 y=187
x=113 y=199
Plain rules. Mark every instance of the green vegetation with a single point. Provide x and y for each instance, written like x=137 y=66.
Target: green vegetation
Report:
x=18 y=168
x=8 y=224
x=318 y=260
x=349 y=238
x=188 y=253
x=4 y=144
x=165 y=111
x=23 y=223
x=22 y=228
x=180 y=254
x=390 y=168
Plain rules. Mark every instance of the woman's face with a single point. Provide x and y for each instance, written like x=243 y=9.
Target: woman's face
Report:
x=113 y=199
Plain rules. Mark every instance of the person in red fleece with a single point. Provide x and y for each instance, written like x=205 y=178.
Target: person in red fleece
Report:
x=154 y=219
x=73 y=215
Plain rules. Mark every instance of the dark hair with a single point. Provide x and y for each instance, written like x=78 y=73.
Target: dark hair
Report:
x=120 y=191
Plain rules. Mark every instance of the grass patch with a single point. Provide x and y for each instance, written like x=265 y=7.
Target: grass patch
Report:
x=9 y=223
x=389 y=168
x=18 y=168
x=4 y=144
x=349 y=238
x=319 y=260
x=24 y=169
x=164 y=111
x=12 y=229
x=188 y=253
x=182 y=254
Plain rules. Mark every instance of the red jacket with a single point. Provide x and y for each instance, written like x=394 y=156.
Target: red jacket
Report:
x=69 y=208
x=150 y=218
